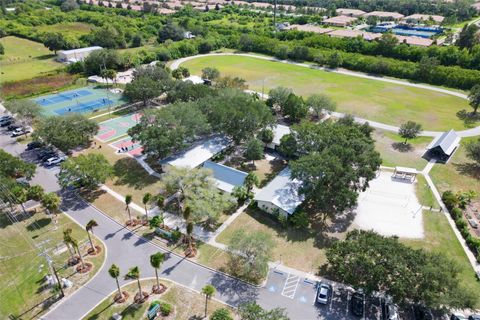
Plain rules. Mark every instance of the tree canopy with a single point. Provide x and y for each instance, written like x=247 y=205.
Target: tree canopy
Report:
x=87 y=171
x=252 y=311
x=409 y=130
x=376 y=263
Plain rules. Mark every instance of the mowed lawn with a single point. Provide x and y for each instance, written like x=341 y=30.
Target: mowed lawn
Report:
x=67 y=28
x=371 y=99
x=25 y=59
x=459 y=174
x=439 y=237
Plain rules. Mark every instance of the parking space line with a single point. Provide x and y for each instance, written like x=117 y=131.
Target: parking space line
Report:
x=331 y=296
x=290 y=286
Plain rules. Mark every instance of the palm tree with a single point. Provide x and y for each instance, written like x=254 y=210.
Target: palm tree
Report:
x=156 y=261
x=135 y=274
x=67 y=239
x=147 y=197
x=75 y=246
x=189 y=237
x=251 y=180
x=128 y=200
x=208 y=291
x=161 y=204
x=89 y=228
x=114 y=272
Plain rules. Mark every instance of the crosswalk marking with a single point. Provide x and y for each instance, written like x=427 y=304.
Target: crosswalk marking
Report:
x=290 y=286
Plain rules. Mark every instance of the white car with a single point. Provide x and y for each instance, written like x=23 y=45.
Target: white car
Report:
x=21 y=131
x=54 y=160
x=323 y=292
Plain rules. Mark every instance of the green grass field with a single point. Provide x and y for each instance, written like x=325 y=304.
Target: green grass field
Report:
x=75 y=29
x=371 y=99
x=25 y=59
x=22 y=269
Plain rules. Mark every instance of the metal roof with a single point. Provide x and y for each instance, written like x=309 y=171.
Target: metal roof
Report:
x=447 y=141
x=279 y=131
x=226 y=177
x=282 y=192
x=73 y=51
x=198 y=153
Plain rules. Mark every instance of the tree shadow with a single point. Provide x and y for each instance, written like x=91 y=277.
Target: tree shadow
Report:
x=130 y=173
x=402 y=147
x=469 y=118
x=39 y=223
x=470 y=169
x=45 y=57
x=234 y=291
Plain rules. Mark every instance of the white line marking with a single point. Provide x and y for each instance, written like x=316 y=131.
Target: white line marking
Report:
x=290 y=286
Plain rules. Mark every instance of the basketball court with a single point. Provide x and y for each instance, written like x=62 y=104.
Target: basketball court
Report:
x=390 y=207
x=83 y=100
x=127 y=145
x=115 y=128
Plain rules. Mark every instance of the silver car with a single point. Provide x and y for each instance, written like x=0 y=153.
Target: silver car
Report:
x=323 y=292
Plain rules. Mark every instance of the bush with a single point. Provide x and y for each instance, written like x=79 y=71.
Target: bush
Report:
x=221 y=314
x=166 y=309
x=460 y=224
x=176 y=235
x=456 y=213
x=299 y=220
x=450 y=199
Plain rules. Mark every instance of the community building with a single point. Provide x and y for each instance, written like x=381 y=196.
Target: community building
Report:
x=281 y=196
x=197 y=154
x=340 y=21
x=75 y=55
x=226 y=178
x=309 y=28
x=384 y=15
x=417 y=18
x=350 y=12
x=443 y=146
x=279 y=131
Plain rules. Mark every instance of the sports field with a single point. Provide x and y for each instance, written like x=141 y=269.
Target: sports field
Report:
x=127 y=145
x=81 y=100
x=25 y=59
x=375 y=100
x=113 y=129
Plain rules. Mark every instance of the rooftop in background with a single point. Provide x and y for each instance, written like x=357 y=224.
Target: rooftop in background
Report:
x=340 y=21
x=424 y=17
x=415 y=41
x=309 y=28
x=345 y=33
x=384 y=14
x=227 y=178
x=282 y=191
x=350 y=12
x=198 y=153
x=279 y=131
x=194 y=79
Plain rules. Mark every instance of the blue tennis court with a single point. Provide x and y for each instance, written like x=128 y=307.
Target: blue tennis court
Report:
x=83 y=100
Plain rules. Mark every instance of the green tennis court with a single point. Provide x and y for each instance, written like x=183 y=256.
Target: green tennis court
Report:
x=113 y=129
x=83 y=100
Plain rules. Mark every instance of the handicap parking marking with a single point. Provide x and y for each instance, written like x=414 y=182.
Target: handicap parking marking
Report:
x=290 y=286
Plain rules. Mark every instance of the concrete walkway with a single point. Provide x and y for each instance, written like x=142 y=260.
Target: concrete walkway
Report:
x=464 y=133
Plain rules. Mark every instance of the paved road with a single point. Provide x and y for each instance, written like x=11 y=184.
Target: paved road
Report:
x=465 y=133
x=126 y=249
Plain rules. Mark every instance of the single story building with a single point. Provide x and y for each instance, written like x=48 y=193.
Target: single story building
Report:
x=278 y=132
x=226 y=178
x=281 y=196
x=415 y=41
x=194 y=79
x=350 y=12
x=443 y=146
x=76 y=55
x=384 y=15
x=346 y=33
x=339 y=21
x=198 y=153
x=417 y=18
x=309 y=28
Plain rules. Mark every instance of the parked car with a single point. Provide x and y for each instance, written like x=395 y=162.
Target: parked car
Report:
x=473 y=223
x=324 y=291
x=34 y=145
x=21 y=131
x=358 y=303
x=54 y=160
x=474 y=317
x=44 y=154
x=6 y=123
x=458 y=316
x=390 y=311
x=5 y=117
x=422 y=313
x=13 y=127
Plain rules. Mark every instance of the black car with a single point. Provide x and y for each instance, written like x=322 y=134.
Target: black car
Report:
x=358 y=303
x=422 y=313
x=474 y=317
x=12 y=127
x=44 y=154
x=6 y=123
x=34 y=145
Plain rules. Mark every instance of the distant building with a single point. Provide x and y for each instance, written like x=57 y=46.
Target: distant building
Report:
x=443 y=146
x=339 y=21
x=225 y=177
x=417 y=18
x=350 y=12
x=76 y=55
x=309 y=28
x=279 y=131
x=384 y=15
x=188 y=35
x=197 y=154
x=281 y=196
x=345 y=33
x=415 y=41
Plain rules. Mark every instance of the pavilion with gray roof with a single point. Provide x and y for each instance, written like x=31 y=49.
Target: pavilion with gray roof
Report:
x=443 y=146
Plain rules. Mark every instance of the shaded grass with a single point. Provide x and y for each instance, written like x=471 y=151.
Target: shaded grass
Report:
x=373 y=100
x=23 y=270
x=25 y=59
x=439 y=237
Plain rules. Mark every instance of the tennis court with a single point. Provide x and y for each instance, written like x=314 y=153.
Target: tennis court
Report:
x=129 y=146
x=113 y=129
x=83 y=100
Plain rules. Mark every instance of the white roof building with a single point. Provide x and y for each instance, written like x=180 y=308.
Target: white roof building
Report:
x=197 y=154
x=75 y=55
x=194 y=79
x=279 y=131
x=280 y=195
x=444 y=145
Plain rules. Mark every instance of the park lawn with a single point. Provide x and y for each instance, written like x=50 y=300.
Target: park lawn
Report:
x=459 y=174
x=297 y=248
x=25 y=59
x=424 y=193
x=74 y=29
x=187 y=304
x=439 y=237
x=390 y=146
x=370 y=99
x=23 y=270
